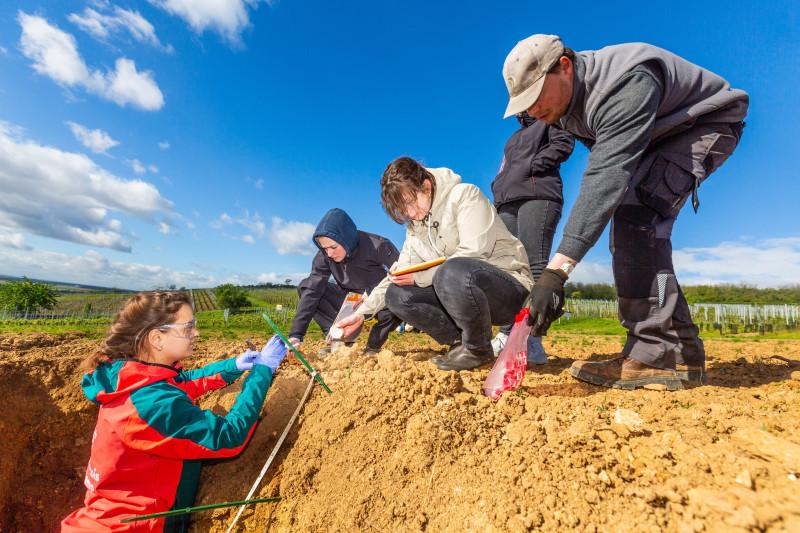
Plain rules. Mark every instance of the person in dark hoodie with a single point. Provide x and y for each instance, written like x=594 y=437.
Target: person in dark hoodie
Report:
x=528 y=197
x=358 y=261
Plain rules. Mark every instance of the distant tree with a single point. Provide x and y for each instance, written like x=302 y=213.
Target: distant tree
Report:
x=231 y=296
x=590 y=291
x=288 y=281
x=173 y=287
x=27 y=295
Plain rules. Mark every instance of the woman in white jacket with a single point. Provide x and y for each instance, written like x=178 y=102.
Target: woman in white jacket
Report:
x=484 y=280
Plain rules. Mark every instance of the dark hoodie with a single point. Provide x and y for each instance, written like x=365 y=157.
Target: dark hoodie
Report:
x=361 y=270
x=531 y=162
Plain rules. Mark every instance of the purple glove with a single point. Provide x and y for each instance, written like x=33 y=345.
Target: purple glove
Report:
x=246 y=360
x=271 y=354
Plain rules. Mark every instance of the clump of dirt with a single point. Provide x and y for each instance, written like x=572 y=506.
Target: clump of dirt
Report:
x=401 y=445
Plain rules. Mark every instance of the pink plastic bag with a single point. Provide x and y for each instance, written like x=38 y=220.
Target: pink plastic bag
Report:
x=509 y=369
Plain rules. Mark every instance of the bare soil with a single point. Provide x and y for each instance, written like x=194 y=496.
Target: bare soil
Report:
x=403 y=446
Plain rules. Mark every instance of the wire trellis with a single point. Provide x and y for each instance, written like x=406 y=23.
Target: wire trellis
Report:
x=725 y=318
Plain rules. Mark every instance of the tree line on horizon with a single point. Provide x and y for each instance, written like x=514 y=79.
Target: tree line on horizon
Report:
x=722 y=294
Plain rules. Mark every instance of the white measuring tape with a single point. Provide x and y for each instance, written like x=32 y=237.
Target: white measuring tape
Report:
x=274 y=452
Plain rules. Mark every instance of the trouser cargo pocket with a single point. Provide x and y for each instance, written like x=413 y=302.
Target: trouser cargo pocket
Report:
x=681 y=163
x=665 y=187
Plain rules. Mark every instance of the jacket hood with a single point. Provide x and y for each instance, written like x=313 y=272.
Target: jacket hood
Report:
x=115 y=379
x=337 y=225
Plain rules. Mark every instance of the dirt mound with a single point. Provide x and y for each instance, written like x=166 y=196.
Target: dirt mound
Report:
x=403 y=446
x=46 y=425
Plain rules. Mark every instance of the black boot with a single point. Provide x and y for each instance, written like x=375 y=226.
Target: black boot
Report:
x=462 y=358
x=436 y=359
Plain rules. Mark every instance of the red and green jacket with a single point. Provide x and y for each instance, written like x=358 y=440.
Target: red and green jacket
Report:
x=150 y=438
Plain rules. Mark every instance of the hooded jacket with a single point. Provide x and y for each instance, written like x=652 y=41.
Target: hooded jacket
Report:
x=461 y=223
x=531 y=163
x=368 y=258
x=150 y=437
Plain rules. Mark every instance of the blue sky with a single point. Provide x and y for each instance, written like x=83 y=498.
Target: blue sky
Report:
x=156 y=142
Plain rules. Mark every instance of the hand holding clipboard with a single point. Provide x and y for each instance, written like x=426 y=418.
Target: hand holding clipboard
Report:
x=404 y=276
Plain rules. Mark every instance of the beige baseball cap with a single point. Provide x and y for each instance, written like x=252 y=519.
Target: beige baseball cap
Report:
x=525 y=68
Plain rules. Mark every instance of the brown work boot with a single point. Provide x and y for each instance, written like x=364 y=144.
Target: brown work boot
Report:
x=624 y=373
x=694 y=374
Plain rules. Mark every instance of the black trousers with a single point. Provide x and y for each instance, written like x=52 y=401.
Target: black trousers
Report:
x=467 y=297
x=534 y=223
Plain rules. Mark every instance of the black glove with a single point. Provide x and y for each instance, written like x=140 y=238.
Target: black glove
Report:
x=547 y=301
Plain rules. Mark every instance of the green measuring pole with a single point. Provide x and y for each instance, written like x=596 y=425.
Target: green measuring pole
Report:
x=189 y=510
x=289 y=345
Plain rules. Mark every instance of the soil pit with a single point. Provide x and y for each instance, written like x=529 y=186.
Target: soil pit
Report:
x=403 y=446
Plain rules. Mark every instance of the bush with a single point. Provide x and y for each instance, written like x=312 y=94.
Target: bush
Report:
x=27 y=295
x=231 y=296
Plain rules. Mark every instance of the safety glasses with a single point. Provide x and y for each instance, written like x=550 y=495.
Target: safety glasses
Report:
x=183 y=329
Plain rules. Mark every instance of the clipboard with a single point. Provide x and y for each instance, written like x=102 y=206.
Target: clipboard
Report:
x=416 y=268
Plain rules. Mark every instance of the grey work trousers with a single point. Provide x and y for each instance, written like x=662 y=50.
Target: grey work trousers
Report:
x=652 y=306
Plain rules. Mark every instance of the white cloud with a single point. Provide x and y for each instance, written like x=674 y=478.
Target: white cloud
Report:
x=137 y=166
x=592 y=272
x=98 y=141
x=164 y=145
x=248 y=239
x=3 y=50
x=126 y=85
x=251 y=222
x=766 y=263
x=95 y=269
x=292 y=237
x=65 y=195
x=153 y=169
x=258 y=184
x=55 y=54
x=228 y=18
x=164 y=228
x=13 y=240
x=267 y=277
x=114 y=20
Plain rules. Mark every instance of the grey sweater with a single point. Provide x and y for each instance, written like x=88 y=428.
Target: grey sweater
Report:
x=625 y=98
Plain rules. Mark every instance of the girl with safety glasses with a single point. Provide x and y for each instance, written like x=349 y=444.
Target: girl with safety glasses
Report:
x=150 y=435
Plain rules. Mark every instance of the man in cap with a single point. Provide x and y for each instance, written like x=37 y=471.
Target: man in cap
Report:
x=657 y=126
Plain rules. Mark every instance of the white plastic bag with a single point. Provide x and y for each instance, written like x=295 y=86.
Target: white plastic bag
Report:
x=349 y=306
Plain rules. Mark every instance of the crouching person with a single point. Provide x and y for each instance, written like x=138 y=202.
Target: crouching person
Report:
x=484 y=280
x=357 y=261
x=150 y=435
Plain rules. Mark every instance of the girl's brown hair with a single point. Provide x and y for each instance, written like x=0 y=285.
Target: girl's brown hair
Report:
x=401 y=182
x=141 y=314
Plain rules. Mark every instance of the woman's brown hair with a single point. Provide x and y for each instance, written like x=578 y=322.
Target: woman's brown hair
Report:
x=141 y=314
x=401 y=182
